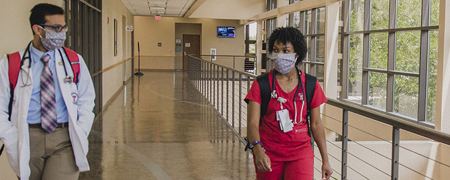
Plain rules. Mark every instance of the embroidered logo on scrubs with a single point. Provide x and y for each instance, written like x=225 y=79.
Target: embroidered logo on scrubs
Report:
x=75 y=98
x=301 y=130
x=300 y=95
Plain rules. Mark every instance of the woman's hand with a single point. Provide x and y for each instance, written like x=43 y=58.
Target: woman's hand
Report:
x=326 y=170
x=261 y=159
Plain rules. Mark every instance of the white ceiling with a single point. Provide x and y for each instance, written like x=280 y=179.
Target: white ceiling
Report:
x=173 y=8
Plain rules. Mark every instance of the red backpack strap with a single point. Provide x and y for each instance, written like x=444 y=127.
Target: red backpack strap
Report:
x=74 y=62
x=14 y=68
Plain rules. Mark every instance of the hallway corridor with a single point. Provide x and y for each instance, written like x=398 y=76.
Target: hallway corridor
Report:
x=160 y=127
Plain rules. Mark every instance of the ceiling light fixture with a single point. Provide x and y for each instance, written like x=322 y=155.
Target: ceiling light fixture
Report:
x=158 y=8
x=157 y=2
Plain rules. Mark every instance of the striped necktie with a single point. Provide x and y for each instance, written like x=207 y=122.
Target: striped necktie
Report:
x=48 y=103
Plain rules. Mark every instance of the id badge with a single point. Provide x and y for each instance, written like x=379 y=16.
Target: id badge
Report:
x=284 y=120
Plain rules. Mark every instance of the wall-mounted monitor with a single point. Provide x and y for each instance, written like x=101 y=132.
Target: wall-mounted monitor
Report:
x=225 y=32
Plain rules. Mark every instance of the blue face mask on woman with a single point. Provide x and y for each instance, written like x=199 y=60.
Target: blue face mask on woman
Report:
x=283 y=63
x=53 y=40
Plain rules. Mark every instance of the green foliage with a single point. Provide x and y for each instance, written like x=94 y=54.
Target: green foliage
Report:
x=407 y=54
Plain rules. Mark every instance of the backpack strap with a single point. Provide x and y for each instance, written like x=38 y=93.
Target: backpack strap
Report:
x=14 y=64
x=310 y=86
x=74 y=62
x=14 y=68
x=264 y=88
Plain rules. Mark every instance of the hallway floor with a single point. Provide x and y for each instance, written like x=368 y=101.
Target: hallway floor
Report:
x=160 y=127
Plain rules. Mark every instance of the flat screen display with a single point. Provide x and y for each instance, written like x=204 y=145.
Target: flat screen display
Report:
x=225 y=32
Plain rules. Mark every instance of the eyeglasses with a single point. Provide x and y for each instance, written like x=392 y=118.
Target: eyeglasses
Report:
x=57 y=28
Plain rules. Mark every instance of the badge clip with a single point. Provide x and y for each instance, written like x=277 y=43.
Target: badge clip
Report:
x=274 y=94
x=69 y=79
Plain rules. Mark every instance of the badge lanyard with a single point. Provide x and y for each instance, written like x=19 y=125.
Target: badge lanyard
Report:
x=282 y=100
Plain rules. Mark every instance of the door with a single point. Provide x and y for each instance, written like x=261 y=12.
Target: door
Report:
x=191 y=46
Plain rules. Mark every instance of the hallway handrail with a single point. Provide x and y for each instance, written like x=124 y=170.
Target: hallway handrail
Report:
x=217 y=64
x=392 y=120
x=377 y=116
x=234 y=59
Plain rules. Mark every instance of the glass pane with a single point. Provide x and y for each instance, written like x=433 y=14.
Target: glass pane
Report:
x=305 y=67
x=252 y=48
x=320 y=48
x=356 y=15
x=432 y=76
x=252 y=30
x=287 y=20
x=406 y=95
x=377 y=89
x=308 y=22
x=339 y=84
x=355 y=67
x=409 y=13
x=308 y=51
x=434 y=13
x=319 y=74
x=380 y=14
x=296 y=19
x=320 y=20
x=407 y=51
x=378 y=50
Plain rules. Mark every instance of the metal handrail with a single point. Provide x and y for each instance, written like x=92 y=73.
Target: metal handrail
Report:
x=392 y=120
x=375 y=115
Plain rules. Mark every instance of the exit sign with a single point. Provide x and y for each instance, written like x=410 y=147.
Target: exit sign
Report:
x=157 y=17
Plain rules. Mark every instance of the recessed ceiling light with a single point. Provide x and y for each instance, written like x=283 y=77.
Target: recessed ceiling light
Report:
x=157 y=8
x=157 y=2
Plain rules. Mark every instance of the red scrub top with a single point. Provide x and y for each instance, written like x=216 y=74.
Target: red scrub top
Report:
x=294 y=144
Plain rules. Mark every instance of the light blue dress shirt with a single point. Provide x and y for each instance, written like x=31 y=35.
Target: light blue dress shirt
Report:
x=34 y=111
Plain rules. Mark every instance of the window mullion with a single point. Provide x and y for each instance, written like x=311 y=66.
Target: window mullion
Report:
x=366 y=53
x=391 y=56
x=345 y=49
x=424 y=56
x=312 y=45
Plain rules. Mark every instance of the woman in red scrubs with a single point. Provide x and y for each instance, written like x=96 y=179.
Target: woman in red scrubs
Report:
x=280 y=141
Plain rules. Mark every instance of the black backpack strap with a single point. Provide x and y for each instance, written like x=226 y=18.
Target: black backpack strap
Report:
x=264 y=88
x=310 y=86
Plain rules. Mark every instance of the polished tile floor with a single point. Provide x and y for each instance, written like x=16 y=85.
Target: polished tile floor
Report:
x=160 y=127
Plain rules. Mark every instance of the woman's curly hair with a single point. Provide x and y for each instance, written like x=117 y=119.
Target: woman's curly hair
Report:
x=292 y=35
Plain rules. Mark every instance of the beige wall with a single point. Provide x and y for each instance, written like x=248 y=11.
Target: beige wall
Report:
x=113 y=78
x=16 y=33
x=150 y=32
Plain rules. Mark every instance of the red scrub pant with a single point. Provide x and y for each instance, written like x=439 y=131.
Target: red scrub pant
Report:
x=302 y=169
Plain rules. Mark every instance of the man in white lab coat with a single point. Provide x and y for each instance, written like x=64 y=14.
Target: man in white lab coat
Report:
x=45 y=130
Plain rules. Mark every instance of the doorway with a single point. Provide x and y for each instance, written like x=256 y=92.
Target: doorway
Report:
x=191 y=46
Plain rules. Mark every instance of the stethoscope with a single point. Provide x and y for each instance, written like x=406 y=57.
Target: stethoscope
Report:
x=26 y=55
x=282 y=100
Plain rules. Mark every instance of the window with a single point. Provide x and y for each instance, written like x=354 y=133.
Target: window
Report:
x=390 y=56
x=271 y=4
x=312 y=25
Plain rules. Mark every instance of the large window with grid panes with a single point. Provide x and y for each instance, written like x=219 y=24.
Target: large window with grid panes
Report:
x=390 y=56
x=312 y=24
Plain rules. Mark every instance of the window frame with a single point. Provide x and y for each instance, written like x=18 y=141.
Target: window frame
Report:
x=392 y=31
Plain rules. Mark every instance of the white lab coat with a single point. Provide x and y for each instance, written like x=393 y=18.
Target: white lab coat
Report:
x=15 y=134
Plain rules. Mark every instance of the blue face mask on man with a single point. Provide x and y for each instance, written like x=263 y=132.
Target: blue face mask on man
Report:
x=283 y=63
x=53 y=40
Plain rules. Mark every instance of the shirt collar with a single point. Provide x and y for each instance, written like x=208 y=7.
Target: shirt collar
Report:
x=37 y=53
